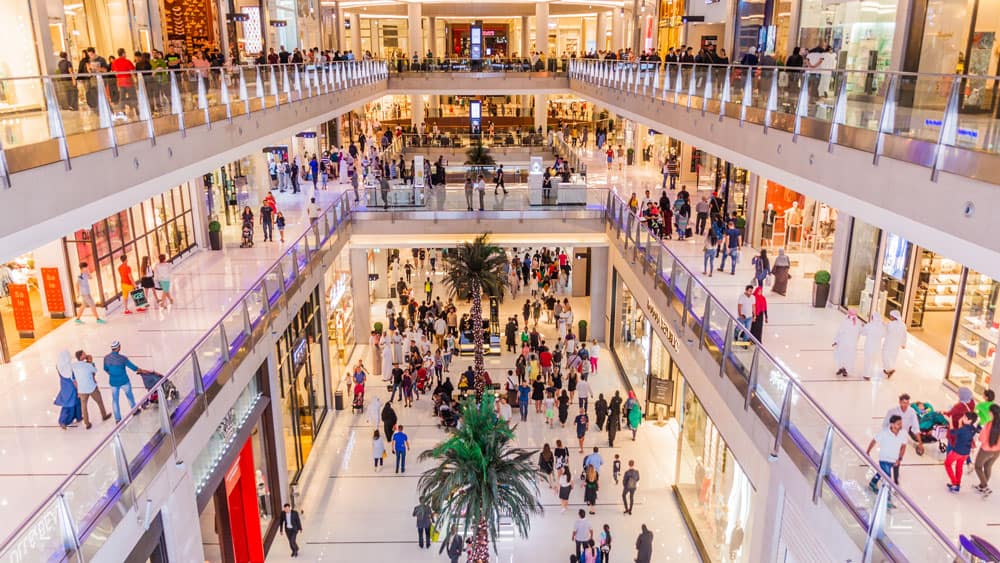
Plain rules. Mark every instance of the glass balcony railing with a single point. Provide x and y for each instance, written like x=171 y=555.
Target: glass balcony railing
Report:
x=64 y=116
x=551 y=66
x=883 y=113
x=74 y=519
x=820 y=448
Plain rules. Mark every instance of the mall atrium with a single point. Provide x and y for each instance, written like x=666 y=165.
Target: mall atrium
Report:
x=597 y=280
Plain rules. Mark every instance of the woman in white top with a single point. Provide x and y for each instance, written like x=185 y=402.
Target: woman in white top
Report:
x=161 y=274
x=378 y=450
x=593 y=350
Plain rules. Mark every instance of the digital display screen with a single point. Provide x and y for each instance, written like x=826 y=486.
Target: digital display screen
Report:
x=476 y=110
x=897 y=250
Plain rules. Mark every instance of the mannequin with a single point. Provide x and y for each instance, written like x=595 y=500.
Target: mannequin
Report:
x=261 y=492
x=767 y=231
x=793 y=219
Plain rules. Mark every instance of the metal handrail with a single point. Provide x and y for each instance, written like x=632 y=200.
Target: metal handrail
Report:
x=792 y=382
x=212 y=332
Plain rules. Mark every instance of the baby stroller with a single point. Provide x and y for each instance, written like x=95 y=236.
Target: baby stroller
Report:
x=422 y=381
x=358 y=404
x=933 y=426
x=149 y=380
x=247 y=241
x=449 y=418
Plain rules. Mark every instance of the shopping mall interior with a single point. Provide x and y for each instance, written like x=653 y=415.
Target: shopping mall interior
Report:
x=419 y=281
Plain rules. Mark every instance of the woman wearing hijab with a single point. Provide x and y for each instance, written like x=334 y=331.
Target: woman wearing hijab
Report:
x=68 y=399
x=761 y=267
x=781 y=268
x=845 y=343
x=633 y=413
x=759 y=314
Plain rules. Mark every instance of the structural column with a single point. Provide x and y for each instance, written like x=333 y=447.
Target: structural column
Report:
x=542 y=28
x=431 y=32
x=617 y=29
x=417 y=107
x=360 y=294
x=541 y=112
x=602 y=31
x=414 y=26
x=356 y=34
x=524 y=52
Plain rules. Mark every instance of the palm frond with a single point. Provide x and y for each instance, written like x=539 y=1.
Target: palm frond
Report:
x=480 y=476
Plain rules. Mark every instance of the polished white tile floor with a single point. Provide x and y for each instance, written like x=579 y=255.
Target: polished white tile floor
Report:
x=35 y=454
x=352 y=513
x=800 y=337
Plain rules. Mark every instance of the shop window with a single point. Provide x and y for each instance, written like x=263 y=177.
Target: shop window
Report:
x=859 y=280
x=974 y=354
x=860 y=31
x=714 y=490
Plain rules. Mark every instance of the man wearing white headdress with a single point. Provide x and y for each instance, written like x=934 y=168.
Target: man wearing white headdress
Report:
x=873 y=332
x=895 y=340
x=845 y=343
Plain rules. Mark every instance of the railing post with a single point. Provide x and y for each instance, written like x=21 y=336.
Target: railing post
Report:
x=286 y=86
x=70 y=535
x=752 y=375
x=772 y=99
x=801 y=107
x=4 y=170
x=727 y=95
x=297 y=82
x=839 y=113
x=56 y=129
x=177 y=103
x=727 y=347
x=747 y=95
x=824 y=465
x=199 y=382
x=948 y=135
x=887 y=119
x=786 y=413
x=121 y=461
x=666 y=82
x=692 y=85
x=656 y=80
x=224 y=343
x=876 y=522
x=145 y=109
x=105 y=117
x=243 y=93
x=708 y=90
x=224 y=94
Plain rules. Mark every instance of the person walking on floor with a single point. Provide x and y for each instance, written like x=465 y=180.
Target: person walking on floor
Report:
x=67 y=399
x=468 y=196
x=583 y=392
x=744 y=312
x=162 y=274
x=614 y=418
x=874 y=333
x=86 y=297
x=629 y=483
x=780 y=270
x=423 y=514
x=895 y=340
x=634 y=413
x=481 y=188
x=499 y=179
x=583 y=532
x=891 y=448
x=644 y=546
x=582 y=422
x=291 y=525
x=378 y=451
x=401 y=443
x=601 y=411
x=759 y=314
x=116 y=365
x=989 y=451
x=388 y=419
x=85 y=377
x=454 y=547
x=845 y=343
x=961 y=446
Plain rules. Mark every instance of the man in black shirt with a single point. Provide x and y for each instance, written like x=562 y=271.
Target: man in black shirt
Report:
x=283 y=55
x=266 y=222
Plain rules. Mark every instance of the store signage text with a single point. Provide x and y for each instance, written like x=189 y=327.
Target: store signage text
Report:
x=658 y=320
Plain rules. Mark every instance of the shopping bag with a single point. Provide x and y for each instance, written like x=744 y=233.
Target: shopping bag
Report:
x=435 y=534
x=139 y=297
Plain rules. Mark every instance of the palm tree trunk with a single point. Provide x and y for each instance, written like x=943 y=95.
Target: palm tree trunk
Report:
x=477 y=340
x=480 y=552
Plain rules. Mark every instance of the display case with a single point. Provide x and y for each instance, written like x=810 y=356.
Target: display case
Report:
x=340 y=325
x=977 y=334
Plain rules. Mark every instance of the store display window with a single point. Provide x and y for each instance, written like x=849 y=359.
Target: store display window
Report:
x=714 y=492
x=32 y=303
x=859 y=280
x=972 y=360
x=631 y=337
x=859 y=31
x=19 y=59
x=340 y=305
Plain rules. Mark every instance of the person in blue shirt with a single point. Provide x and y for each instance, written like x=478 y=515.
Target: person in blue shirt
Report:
x=116 y=365
x=961 y=448
x=400 y=443
x=523 y=396
x=734 y=239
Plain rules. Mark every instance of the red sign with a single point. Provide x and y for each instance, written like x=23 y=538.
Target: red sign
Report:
x=20 y=301
x=53 y=291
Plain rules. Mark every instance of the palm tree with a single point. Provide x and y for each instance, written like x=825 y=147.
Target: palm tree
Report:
x=478 y=157
x=469 y=270
x=480 y=477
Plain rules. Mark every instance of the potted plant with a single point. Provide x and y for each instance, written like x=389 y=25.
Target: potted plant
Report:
x=582 y=329
x=378 y=328
x=215 y=235
x=821 y=288
x=630 y=156
x=478 y=158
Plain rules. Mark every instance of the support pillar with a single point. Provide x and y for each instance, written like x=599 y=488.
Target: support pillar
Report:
x=541 y=113
x=431 y=36
x=361 y=294
x=542 y=28
x=434 y=104
x=617 y=29
x=602 y=31
x=599 y=275
x=525 y=44
x=356 y=34
x=417 y=106
x=414 y=27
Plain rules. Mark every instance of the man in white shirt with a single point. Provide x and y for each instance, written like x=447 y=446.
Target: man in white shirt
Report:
x=583 y=532
x=481 y=188
x=891 y=447
x=85 y=375
x=583 y=392
x=744 y=311
x=313 y=211
x=911 y=422
x=440 y=327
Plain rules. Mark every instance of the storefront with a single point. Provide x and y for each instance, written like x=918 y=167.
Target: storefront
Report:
x=163 y=224
x=670 y=24
x=713 y=491
x=19 y=58
x=303 y=381
x=859 y=31
x=32 y=300
x=340 y=307
x=495 y=39
x=784 y=218
x=236 y=480
x=106 y=26
x=642 y=355
x=713 y=174
x=763 y=25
